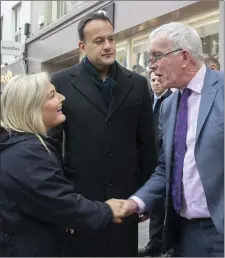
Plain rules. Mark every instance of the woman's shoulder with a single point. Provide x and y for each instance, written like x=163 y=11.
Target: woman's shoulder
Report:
x=22 y=145
x=25 y=152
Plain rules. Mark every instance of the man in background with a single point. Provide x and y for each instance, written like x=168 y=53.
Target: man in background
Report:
x=153 y=247
x=212 y=62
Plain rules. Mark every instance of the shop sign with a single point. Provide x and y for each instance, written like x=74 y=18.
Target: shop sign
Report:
x=6 y=77
x=8 y=72
x=11 y=48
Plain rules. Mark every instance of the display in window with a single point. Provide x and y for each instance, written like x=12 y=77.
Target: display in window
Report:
x=121 y=54
x=211 y=45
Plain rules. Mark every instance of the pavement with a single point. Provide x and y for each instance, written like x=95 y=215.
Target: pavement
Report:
x=143 y=233
x=143 y=237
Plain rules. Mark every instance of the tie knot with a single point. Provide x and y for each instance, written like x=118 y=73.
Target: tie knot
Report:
x=186 y=93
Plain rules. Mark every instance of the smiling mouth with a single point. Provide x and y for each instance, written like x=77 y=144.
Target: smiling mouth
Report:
x=59 y=109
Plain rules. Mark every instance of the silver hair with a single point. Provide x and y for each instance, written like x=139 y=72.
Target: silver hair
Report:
x=181 y=36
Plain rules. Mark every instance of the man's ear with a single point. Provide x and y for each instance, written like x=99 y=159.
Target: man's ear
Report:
x=186 y=57
x=82 y=46
x=213 y=67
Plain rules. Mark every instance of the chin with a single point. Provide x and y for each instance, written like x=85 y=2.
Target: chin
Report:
x=108 y=62
x=60 y=120
x=63 y=118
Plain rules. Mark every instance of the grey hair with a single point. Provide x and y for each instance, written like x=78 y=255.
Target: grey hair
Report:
x=22 y=101
x=181 y=36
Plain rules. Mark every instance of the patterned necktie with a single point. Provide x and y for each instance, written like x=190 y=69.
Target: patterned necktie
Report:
x=179 y=149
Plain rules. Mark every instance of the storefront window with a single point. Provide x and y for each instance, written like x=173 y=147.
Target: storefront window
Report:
x=122 y=54
x=139 y=55
x=207 y=26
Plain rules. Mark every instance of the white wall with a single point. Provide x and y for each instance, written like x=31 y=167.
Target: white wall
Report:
x=149 y=10
x=221 y=36
x=8 y=23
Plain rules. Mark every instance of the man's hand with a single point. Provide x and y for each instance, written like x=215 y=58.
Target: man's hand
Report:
x=143 y=217
x=116 y=206
x=129 y=207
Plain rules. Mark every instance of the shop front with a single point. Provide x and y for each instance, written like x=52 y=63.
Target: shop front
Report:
x=132 y=52
x=8 y=72
x=133 y=21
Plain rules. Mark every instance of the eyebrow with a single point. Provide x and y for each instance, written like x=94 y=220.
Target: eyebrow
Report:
x=156 y=52
x=52 y=91
x=102 y=37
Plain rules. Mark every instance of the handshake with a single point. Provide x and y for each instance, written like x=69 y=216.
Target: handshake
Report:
x=122 y=209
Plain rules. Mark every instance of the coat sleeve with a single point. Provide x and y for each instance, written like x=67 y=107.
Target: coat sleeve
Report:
x=47 y=196
x=154 y=189
x=57 y=132
x=146 y=137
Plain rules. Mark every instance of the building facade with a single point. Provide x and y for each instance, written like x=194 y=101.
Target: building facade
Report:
x=53 y=42
x=14 y=16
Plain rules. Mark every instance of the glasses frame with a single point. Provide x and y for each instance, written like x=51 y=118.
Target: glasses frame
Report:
x=161 y=56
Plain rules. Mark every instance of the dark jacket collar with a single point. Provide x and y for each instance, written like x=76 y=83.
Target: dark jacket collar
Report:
x=77 y=68
x=81 y=80
x=95 y=74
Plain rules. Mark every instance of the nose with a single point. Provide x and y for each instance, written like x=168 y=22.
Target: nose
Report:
x=61 y=97
x=107 y=44
x=152 y=67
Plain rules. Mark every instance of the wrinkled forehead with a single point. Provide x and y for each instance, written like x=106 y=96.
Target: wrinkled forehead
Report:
x=159 y=45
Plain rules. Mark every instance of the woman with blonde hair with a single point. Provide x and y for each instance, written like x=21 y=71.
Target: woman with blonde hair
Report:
x=37 y=203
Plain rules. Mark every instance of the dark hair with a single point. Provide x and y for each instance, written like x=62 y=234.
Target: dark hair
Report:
x=90 y=17
x=211 y=60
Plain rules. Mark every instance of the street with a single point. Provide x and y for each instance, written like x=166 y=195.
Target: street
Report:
x=143 y=234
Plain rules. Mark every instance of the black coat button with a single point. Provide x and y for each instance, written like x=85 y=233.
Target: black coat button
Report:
x=109 y=182
x=109 y=152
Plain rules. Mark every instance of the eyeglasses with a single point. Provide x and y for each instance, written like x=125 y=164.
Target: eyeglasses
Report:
x=156 y=58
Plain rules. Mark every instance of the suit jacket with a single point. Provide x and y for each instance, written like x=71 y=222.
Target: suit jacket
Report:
x=109 y=153
x=209 y=153
x=156 y=117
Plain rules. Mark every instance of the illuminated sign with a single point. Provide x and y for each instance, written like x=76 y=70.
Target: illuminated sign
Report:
x=6 y=77
x=13 y=69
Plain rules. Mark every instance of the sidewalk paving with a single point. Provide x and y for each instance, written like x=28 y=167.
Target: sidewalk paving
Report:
x=143 y=233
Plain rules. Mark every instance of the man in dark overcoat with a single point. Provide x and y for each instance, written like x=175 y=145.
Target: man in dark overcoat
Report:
x=109 y=145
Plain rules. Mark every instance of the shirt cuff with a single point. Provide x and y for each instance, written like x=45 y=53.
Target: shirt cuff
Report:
x=140 y=204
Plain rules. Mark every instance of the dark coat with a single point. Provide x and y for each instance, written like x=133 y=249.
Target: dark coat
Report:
x=108 y=154
x=156 y=116
x=37 y=203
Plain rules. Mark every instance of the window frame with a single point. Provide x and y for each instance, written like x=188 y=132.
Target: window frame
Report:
x=17 y=22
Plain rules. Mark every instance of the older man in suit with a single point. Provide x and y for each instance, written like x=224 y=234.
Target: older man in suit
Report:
x=190 y=171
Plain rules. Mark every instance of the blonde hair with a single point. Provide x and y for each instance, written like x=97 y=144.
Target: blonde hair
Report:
x=21 y=104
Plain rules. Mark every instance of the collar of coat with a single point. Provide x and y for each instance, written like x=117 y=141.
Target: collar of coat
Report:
x=81 y=80
x=77 y=68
